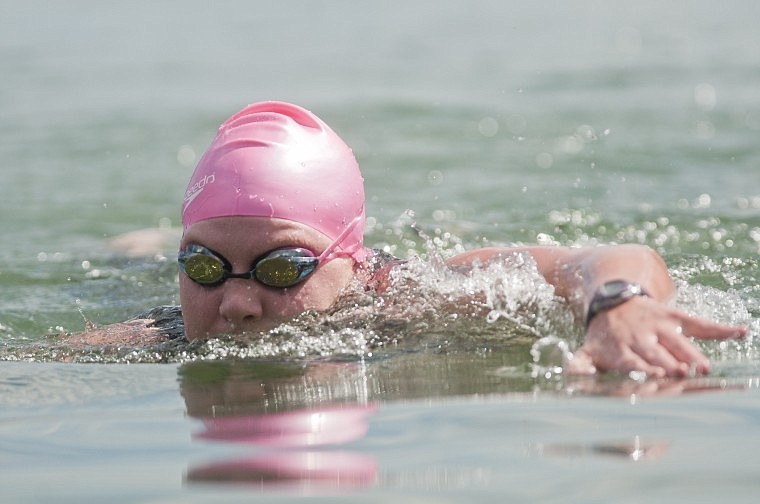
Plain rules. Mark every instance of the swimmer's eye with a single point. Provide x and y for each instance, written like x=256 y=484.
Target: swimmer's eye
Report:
x=280 y=268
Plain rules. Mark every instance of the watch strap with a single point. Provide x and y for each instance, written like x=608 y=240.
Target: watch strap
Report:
x=612 y=294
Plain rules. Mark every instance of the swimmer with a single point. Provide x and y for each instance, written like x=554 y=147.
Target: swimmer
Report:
x=273 y=224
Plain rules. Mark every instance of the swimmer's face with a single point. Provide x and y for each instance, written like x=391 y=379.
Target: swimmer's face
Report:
x=240 y=305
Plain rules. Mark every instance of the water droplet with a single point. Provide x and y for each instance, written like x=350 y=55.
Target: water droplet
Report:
x=186 y=155
x=435 y=177
x=488 y=126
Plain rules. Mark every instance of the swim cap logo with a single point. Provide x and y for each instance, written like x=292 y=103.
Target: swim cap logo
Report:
x=196 y=189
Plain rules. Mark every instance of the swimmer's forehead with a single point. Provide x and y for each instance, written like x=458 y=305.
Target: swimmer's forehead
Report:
x=258 y=232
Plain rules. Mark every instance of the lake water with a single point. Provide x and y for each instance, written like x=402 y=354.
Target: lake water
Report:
x=495 y=122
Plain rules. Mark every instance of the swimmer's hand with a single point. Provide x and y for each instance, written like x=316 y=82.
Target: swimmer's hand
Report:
x=646 y=335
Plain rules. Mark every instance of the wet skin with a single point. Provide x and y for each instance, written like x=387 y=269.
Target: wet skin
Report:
x=246 y=306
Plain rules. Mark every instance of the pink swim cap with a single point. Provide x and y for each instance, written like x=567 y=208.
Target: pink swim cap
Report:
x=274 y=159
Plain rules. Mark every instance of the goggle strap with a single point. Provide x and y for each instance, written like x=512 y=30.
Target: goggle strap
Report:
x=326 y=255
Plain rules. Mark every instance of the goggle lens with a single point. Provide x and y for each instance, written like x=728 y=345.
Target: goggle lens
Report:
x=203 y=268
x=277 y=271
x=279 y=268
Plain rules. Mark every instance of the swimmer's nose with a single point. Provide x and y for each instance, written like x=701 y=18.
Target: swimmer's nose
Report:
x=241 y=303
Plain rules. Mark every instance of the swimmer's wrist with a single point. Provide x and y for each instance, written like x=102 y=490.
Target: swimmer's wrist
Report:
x=611 y=295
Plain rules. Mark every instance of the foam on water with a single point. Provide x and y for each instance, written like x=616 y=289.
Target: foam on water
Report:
x=430 y=306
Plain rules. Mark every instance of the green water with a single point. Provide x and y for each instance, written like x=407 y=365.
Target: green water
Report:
x=495 y=122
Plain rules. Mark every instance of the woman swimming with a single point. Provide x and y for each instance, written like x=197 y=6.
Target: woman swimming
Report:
x=273 y=224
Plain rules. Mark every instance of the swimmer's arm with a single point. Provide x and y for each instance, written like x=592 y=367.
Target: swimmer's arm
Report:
x=152 y=327
x=643 y=334
x=577 y=273
x=132 y=333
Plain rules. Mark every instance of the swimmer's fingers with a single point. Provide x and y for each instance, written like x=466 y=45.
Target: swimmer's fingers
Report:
x=647 y=336
x=625 y=339
x=668 y=353
x=579 y=363
x=589 y=359
x=700 y=328
x=675 y=335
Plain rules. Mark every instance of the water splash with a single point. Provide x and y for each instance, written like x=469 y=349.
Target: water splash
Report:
x=549 y=355
x=429 y=305
x=426 y=305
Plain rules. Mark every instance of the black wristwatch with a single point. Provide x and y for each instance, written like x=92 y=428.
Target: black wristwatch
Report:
x=612 y=294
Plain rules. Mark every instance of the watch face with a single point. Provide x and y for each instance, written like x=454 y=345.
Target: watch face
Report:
x=614 y=288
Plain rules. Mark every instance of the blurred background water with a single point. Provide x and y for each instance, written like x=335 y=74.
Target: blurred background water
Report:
x=496 y=122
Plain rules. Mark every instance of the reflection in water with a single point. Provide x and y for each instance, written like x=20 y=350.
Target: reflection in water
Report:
x=305 y=469
x=291 y=414
x=300 y=418
x=328 y=425
x=635 y=450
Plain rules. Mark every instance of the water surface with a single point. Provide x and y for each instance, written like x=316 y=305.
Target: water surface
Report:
x=496 y=123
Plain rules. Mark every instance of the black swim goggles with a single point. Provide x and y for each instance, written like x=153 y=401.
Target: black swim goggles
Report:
x=281 y=268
